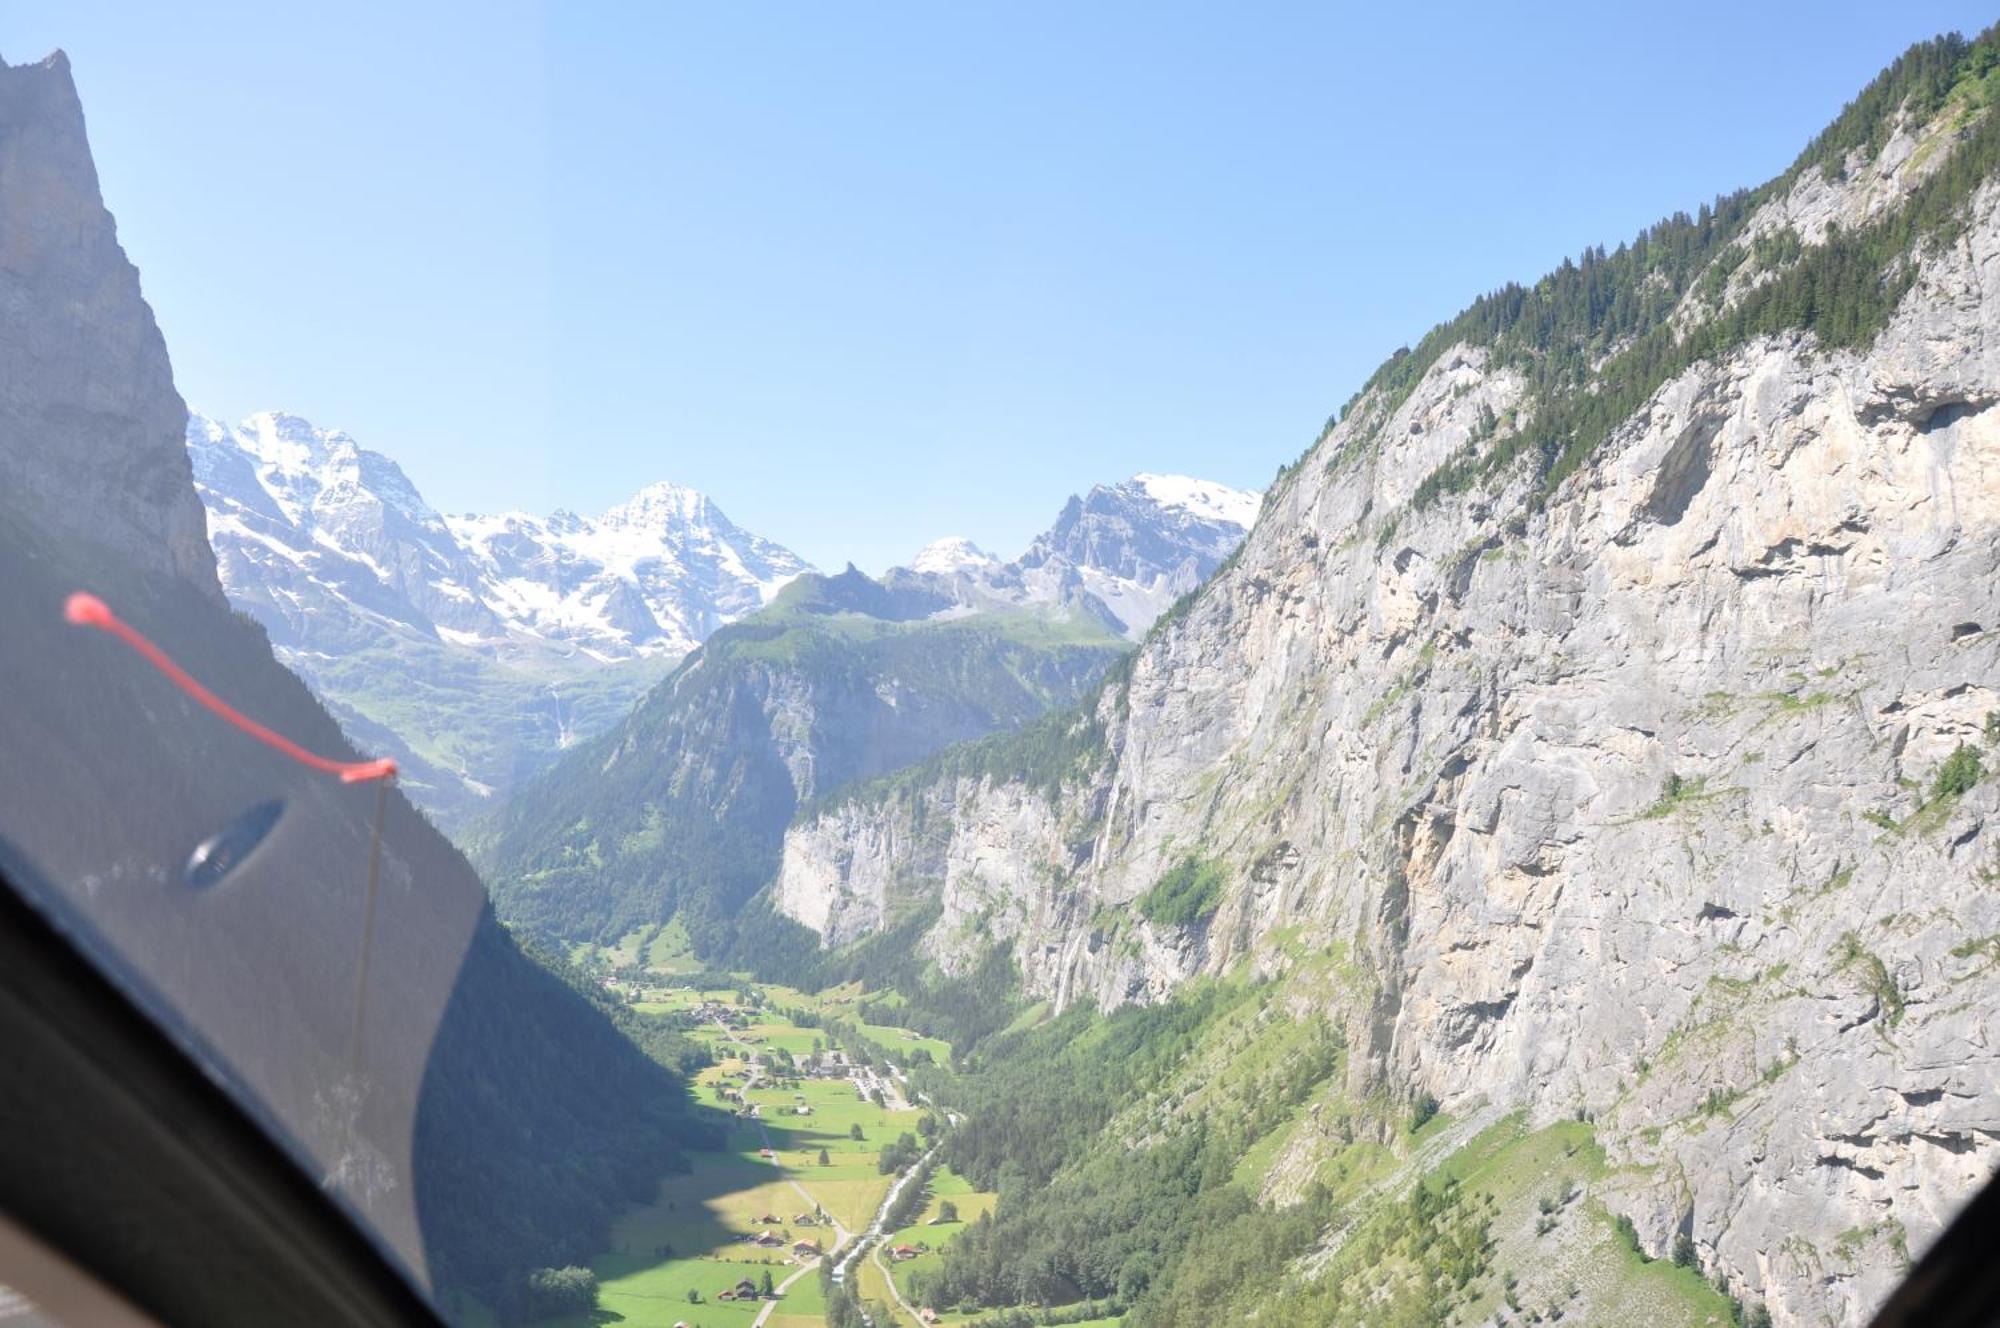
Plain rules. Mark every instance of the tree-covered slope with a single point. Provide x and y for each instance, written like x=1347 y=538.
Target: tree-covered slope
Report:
x=682 y=807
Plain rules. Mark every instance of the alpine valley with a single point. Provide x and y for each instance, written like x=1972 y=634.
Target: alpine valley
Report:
x=1548 y=873
x=1537 y=862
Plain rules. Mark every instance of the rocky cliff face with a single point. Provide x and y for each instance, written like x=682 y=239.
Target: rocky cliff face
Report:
x=1629 y=798
x=90 y=438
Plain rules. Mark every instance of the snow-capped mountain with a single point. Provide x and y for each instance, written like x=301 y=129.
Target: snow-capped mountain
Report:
x=657 y=573
x=323 y=539
x=476 y=648
x=1122 y=553
x=952 y=554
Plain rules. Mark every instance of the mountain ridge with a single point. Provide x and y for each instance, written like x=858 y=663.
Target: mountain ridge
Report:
x=682 y=805
x=477 y=649
x=654 y=574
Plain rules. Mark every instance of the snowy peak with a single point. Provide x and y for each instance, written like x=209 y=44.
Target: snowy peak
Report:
x=662 y=507
x=328 y=542
x=1121 y=554
x=951 y=555
x=1203 y=499
x=1133 y=548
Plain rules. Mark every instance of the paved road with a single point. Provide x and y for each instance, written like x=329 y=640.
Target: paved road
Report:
x=771 y=1305
x=894 y=1290
x=887 y=1275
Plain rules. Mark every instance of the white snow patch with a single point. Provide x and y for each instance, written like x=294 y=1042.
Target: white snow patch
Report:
x=1203 y=498
x=953 y=553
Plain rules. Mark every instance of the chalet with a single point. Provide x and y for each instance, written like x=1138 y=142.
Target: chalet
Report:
x=768 y=1239
x=805 y=1220
x=905 y=1252
x=746 y=1290
x=725 y=1295
x=768 y=1220
x=927 y=1314
x=805 y=1247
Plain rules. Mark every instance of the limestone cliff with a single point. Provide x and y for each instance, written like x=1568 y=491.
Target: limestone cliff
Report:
x=1641 y=785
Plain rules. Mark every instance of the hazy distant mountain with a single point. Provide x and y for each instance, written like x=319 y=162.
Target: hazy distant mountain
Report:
x=318 y=535
x=1122 y=553
x=682 y=807
x=476 y=648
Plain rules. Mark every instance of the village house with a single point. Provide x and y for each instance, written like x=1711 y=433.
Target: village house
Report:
x=744 y=1290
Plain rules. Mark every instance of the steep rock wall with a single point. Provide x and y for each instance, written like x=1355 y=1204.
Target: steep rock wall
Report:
x=1621 y=804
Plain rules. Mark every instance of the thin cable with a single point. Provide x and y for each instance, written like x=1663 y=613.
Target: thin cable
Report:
x=90 y=611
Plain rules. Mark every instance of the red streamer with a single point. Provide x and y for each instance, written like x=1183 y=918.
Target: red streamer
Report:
x=90 y=611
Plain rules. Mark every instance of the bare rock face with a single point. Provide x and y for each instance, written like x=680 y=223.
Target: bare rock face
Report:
x=88 y=395
x=1624 y=806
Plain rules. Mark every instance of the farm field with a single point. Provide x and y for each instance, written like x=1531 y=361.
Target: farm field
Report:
x=928 y=1232
x=695 y=1235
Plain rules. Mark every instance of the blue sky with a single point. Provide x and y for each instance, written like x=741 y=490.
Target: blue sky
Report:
x=870 y=274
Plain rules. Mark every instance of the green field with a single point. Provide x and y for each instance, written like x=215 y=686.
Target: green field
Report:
x=927 y=1232
x=899 y=1042
x=693 y=1235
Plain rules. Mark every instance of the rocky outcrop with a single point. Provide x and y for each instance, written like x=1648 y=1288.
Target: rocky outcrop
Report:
x=1620 y=801
x=87 y=404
